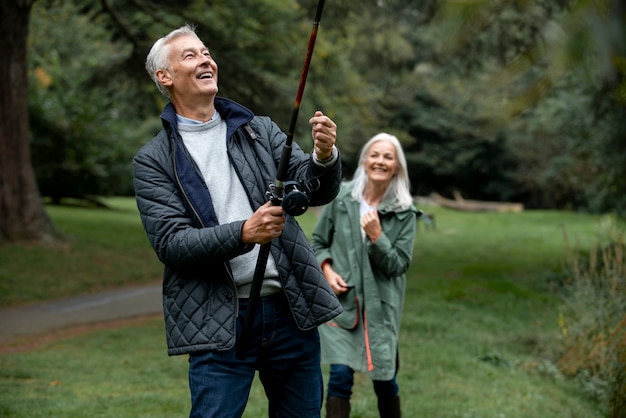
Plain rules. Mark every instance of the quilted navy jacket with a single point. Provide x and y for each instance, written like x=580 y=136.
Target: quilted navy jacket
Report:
x=199 y=295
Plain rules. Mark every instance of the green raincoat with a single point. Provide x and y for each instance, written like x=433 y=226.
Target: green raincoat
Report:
x=365 y=336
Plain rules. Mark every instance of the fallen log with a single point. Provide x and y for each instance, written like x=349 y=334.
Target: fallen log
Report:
x=459 y=203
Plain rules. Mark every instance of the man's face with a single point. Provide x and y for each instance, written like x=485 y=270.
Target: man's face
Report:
x=192 y=73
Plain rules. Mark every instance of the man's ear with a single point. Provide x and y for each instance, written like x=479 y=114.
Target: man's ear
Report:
x=164 y=77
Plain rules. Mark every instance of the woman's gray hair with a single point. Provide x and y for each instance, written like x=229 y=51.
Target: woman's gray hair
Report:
x=398 y=194
x=158 y=57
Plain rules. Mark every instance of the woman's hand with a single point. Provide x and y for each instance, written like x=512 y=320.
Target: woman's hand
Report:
x=335 y=281
x=371 y=225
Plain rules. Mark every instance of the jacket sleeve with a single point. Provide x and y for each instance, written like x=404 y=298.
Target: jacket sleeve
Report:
x=391 y=255
x=322 y=183
x=178 y=239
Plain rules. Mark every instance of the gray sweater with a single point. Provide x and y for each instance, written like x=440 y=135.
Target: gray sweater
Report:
x=206 y=143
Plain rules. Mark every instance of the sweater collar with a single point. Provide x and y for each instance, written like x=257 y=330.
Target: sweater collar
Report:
x=232 y=112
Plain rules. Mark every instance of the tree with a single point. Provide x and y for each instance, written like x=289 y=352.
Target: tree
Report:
x=535 y=88
x=92 y=105
x=22 y=214
x=84 y=121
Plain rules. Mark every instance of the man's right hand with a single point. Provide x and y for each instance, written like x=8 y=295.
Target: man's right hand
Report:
x=264 y=225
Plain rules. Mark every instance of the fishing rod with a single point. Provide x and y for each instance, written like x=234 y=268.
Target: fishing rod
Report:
x=294 y=203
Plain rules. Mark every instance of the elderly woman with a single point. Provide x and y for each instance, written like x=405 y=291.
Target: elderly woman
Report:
x=364 y=243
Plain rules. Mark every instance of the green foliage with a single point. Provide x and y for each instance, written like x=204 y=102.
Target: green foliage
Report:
x=81 y=131
x=593 y=321
x=92 y=104
x=554 y=141
x=453 y=152
x=503 y=100
x=534 y=80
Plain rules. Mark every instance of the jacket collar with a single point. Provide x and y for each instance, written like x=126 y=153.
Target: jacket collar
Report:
x=232 y=112
x=189 y=178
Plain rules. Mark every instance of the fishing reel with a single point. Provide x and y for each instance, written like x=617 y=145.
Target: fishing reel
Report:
x=294 y=199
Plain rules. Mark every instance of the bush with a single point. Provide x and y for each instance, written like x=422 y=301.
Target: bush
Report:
x=593 y=321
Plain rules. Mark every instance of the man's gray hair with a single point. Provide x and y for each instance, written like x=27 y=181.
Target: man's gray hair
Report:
x=158 y=57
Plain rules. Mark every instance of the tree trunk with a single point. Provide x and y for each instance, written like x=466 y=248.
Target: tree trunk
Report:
x=22 y=213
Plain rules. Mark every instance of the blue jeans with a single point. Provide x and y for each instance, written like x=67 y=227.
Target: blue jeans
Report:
x=287 y=359
x=341 y=381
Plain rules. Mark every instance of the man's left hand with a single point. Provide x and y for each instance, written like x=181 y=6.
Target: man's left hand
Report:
x=324 y=133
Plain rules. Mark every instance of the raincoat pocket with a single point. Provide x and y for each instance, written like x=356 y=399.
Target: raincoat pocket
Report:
x=349 y=318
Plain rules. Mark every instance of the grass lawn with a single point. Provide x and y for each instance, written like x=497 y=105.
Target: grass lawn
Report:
x=105 y=248
x=479 y=322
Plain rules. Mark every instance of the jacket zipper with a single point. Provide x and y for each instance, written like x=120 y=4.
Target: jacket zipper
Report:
x=180 y=187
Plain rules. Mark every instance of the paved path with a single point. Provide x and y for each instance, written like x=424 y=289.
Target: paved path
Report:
x=40 y=319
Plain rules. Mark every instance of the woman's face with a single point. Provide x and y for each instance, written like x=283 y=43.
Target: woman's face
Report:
x=381 y=163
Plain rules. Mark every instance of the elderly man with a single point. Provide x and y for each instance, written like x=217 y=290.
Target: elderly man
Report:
x=201 y=187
